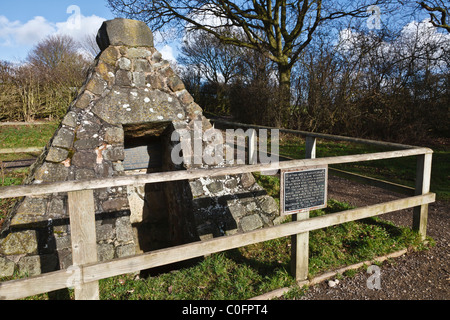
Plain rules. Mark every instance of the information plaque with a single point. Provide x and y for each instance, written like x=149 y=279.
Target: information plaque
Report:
x=303 y=189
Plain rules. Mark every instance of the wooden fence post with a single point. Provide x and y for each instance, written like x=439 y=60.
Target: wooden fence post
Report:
x=423 y=180
x=300 y=242
x=84 y=240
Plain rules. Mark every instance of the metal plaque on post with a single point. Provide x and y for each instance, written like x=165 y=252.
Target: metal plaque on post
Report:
x=303 y=189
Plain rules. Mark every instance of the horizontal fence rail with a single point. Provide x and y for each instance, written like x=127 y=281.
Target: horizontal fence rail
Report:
x=86 y=271
x=101 y=270
x=41 y=189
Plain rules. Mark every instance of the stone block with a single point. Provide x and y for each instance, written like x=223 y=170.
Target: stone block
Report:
x=52 y=172
x=126 y=250
x=105 y=231
x=215 y=186
x=110 y=56
x=175 y=83
x=17 y=243
x=142 y=65
x=155 y=81
x=196 y=188
x=32 y=206
x=247 y=180
x=124 y=32
x=124 y=232
x=97 y=85
x=84 y=100
x=86 y=144
x=237 y=210
x=85 y=174
x=114 y=153
x=250 y=223
x=115 y=205
x=139 y=53
x=63 y=242
x=114 y=135
x=269 y=205
x=64 y=138
x=57 y=155
x=70 y=119
x=105 y=252
x=6 y=267
x=85 y=159
x=124 y=78
x=124 y=64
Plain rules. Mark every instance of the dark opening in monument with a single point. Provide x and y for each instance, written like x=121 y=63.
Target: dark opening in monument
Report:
x=144 y=153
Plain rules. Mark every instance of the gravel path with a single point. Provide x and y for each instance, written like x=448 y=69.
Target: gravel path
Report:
x=421 y=275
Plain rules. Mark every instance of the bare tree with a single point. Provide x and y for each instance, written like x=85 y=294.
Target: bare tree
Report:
x=439 y=11
x=279 y=29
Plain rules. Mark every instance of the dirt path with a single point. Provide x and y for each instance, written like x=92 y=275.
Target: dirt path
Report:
x=421 y=275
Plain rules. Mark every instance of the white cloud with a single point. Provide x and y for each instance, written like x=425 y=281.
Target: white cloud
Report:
x=167 y=53
x=28 y=34
x=78 y=30
x=16 y=33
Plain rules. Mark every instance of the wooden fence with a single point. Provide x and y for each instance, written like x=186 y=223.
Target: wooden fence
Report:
x=87 y=271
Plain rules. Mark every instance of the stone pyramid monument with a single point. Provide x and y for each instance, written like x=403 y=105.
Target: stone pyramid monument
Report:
x=122 y=122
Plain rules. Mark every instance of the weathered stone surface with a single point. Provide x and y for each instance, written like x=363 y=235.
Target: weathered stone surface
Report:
x=124 y=232
x=87 y=144
x=175 y=83
x=85 y=174
x=125 y=250
x=138 y=79
x=6 y=267
x=84 y=100
x=114 y=153
x=17 y=243
x=105 y=230
x=97 y=85
x=155 y=81
x=247 y=180
x=138 y=53
x=64 y=138
x=114 y=135
x=124 y=64
x=269 y=205
x=35 y=265
x=57 y=155
x=215 y=186
x=154 y=106
x=196 y=188
x=85 y=159
x=52 y=172
x=142 y=65
x=70 y=119
x=105 y=252
x=32 y=206
x=63 y=242
x=110 y=55
x=237 y=210
x=124 y=32
x=124 y=78
x=250 y=223
x=115 y=204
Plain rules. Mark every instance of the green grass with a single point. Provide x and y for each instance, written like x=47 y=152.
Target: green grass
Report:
x=253 y=270
x=397 y=170
x=25 y=137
